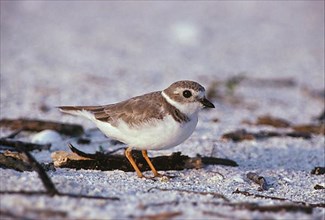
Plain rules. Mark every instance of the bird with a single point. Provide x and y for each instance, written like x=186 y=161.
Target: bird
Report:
x=153 y=121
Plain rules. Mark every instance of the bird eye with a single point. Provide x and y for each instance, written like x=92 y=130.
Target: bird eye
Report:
x=187 y=94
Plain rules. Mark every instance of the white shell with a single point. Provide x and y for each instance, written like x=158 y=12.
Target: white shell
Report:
x=46 y=137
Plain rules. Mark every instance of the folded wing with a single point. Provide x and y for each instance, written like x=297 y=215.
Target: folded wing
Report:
x=134 y=111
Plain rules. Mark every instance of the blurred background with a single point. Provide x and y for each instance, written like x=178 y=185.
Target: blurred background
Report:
x=84 y=52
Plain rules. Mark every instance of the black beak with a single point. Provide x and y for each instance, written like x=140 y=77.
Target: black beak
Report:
x=207 y=103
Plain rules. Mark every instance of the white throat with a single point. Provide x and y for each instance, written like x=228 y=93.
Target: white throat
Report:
x=186 y=108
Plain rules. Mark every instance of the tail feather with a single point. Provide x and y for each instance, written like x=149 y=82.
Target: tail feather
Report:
x=85 y=111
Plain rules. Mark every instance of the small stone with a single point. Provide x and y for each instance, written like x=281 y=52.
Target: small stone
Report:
x=46 y=137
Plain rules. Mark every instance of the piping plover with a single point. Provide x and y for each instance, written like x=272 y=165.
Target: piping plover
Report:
x=154 y=121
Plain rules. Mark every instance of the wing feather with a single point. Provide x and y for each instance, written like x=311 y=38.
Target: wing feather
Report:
x=137 y=110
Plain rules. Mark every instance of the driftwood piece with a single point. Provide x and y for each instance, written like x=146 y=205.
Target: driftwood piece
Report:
x=260 y=180
x=101 y=161
x=40 y=125
x=12 y=144
x=242 y=134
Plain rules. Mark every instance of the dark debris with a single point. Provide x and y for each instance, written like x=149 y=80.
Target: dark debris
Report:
x=318 y=171
x=102 y=161
x=242 y=134
x=40 y=125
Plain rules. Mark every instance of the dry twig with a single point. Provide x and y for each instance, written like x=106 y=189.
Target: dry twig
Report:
x=47 y=182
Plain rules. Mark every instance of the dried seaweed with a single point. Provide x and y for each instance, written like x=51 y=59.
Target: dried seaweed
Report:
x=83 y=140
x=50 y=188
x=14 y=160
x=242 y=134
x=40 y=125
x=12 y=145
x=310 y=128
x=40 y=213
x=317 y=187
x=272 y=121
x=47 y=182
x=101 y=161
x=307 y=129
x=263 y=208
x=278 y=208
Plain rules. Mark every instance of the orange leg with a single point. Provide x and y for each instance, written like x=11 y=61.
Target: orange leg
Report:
x=134 y=165
x=145 y=155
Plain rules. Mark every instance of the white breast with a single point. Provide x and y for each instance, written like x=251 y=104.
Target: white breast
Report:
x=156 y=135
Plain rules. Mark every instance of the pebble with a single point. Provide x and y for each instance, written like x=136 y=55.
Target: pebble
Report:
x=46 y=137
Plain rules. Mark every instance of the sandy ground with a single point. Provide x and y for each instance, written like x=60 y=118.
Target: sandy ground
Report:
x=88 y=53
